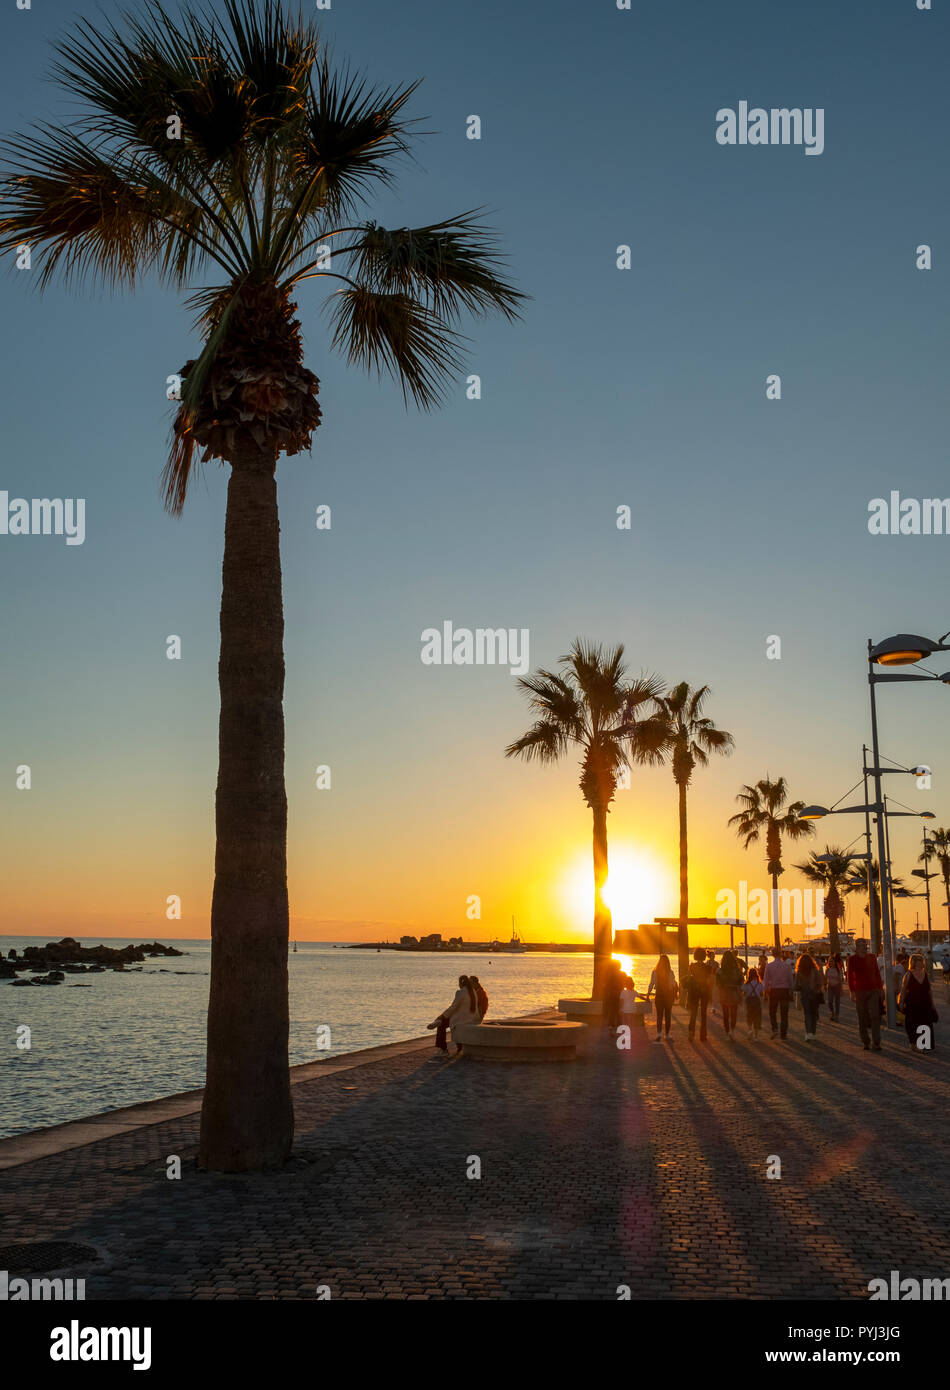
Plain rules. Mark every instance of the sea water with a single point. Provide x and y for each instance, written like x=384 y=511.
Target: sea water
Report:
x=101 y=1041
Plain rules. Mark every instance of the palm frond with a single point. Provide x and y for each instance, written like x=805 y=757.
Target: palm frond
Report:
x=393 y=333
x=451 y=266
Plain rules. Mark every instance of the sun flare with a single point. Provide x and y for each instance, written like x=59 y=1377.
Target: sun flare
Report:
x=637 y=889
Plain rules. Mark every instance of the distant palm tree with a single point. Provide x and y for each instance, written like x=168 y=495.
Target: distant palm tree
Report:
x=615 y=724
x=767 y=811
x=832 y=874
x=227 y=142
x=857 y=882
x=938 y=847
x=691 y=737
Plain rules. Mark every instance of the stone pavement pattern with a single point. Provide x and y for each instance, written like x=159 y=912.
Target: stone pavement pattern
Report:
x=646 y=1168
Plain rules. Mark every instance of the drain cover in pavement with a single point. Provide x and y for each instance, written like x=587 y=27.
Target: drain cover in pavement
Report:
x=43 y=1255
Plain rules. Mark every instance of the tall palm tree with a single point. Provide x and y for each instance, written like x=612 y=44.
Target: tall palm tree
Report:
x=614 y=723
x=938 y=847
x=766 y=811
x=227 y=143
x=691 y=737
x=832 y=873
x=860 y=880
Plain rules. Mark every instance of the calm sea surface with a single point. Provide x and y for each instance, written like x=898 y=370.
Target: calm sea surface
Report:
x=132 y=1037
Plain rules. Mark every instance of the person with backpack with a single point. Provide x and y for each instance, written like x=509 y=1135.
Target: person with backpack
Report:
x=729 y=985
x=808 y=983
x=481 y=998
x=834 y=984
x=699 y=986
x=752 y=992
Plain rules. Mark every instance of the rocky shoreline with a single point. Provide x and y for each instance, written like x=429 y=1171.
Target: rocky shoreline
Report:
x=50 y=964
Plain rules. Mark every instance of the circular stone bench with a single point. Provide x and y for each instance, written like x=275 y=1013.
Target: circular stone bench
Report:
x=516 y=1041
x=592 y=1011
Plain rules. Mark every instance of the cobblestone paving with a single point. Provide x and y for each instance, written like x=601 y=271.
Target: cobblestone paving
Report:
x=646 y=1168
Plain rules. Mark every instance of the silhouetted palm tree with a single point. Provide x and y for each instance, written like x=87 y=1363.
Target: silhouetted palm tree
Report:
x=691 y=737
x=857 y=882
x=767 y=812
x=938 y=848
x=833 y=876
x=614 y=722
x=228 y=143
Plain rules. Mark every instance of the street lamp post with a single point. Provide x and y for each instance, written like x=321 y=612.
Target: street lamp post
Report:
x=906 y=649
x=926 y=875
x=818 y=813
x=885 y=878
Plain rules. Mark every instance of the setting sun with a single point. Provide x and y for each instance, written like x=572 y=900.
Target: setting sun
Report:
x=637 y=889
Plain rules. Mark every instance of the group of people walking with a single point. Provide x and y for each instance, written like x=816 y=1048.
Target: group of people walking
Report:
x=470 y=1005
x=775 y=983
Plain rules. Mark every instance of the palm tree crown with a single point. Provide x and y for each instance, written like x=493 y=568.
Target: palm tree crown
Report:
x=593 y=706
x=691 y=736
x=766 y=811
x=832 y=873
x=230 y=143
x=938 y=848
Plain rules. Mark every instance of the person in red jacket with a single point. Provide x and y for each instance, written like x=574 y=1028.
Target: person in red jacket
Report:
x=864 y=986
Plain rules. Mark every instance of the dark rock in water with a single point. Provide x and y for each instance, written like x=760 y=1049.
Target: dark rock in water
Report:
x=80 y=986
x=22 y=983
x=11 y=954
x=68 y=954
x=7 y=971
x=56 y=975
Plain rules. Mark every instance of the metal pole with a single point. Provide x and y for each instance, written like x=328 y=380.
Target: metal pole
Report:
x=882 y=858
x=930 y=935
x=872 y=909
x=890 y=877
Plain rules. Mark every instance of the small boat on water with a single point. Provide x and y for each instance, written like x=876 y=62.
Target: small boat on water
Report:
x=515 y=945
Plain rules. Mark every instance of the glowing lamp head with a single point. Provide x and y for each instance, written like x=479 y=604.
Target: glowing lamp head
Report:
x=902 y=650
x=813 y=812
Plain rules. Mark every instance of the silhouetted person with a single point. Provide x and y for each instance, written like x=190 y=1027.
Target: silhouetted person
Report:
x=699 y=983
x=752 y=991
x=612 y=988
x=808 y=982
x=864 y=986
x=463 y=1009
x=664 y=988
x=779 y=979
x=481 y=998
x=729 y=985
x=834 y=984
x=916 y=1002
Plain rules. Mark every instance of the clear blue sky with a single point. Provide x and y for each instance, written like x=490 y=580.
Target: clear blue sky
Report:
x=644 y=387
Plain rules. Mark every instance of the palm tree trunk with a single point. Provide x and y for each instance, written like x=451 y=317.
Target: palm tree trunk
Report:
x=683 y=938
x=775 y=912
x=247 y=1113
x=603 y=923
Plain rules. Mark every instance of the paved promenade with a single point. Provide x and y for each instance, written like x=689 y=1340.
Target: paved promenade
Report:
x=646 y=1168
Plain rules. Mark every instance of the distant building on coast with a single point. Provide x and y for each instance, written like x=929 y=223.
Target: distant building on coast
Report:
x=432 y=942
x=408 y=941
